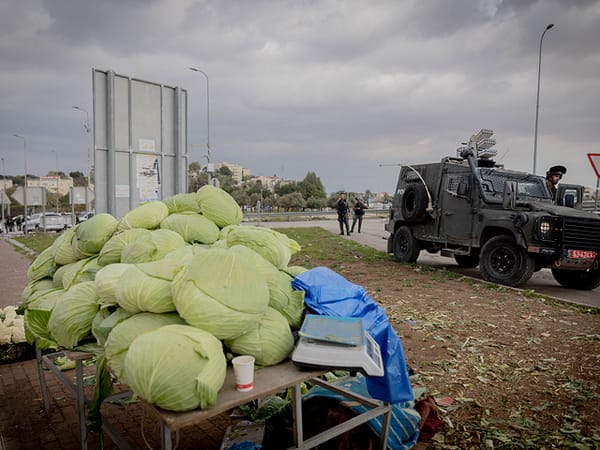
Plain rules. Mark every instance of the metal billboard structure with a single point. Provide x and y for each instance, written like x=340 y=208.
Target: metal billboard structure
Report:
x=140 y=141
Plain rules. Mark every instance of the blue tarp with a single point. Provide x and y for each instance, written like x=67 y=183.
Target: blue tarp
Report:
x=328 y=293
x=404 y=423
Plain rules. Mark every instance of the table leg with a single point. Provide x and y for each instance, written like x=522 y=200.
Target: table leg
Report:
x=40 y=367
x=80 y=397
x=385 y=426
x=297 y=415
x=165 y=437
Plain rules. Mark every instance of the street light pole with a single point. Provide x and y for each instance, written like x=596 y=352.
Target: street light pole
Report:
x=207 y=117
x=57 y=177
x=3 y=192
x=88 y=130
x=25 y=182
x=537 y=103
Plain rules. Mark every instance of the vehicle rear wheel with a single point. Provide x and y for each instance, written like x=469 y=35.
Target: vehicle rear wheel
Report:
x=585 y=280
x=406 y=247
x=467 y=261
x=414 y=203
x=502 y=261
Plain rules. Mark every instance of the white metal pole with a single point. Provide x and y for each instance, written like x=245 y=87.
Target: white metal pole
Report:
x=25 y=182
x=537 y=102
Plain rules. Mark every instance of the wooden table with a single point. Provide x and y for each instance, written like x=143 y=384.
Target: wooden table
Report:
x=268 y=381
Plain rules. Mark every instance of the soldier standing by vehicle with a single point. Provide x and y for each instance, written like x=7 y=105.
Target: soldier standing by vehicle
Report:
x=553 y=176
x=359 y=212
x=342 y=210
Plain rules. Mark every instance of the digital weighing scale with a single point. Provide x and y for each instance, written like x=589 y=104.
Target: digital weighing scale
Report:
x=337 y=342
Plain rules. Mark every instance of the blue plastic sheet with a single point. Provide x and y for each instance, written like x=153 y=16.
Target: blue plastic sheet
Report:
x=328 y=293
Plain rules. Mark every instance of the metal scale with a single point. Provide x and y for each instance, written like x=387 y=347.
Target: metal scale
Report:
x=337 y=342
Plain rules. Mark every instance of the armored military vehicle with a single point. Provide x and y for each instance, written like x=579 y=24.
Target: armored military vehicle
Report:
x=469 y=207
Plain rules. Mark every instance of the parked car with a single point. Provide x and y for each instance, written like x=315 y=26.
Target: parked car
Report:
x=85 y=216
x=49 y=221
x=68 y=220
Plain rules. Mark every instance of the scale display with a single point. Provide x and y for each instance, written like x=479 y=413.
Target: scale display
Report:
x=337 y=342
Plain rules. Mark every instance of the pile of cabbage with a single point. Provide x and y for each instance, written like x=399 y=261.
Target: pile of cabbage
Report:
x=166 y=292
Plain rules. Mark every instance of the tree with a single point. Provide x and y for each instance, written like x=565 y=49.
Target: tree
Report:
x=285 y=188
x=76 y=174
x=293 y=201
x=312 y=186
x=316 y=203
x=225 y=171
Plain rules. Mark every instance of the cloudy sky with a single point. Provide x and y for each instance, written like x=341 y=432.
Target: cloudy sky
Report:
x=347 y=89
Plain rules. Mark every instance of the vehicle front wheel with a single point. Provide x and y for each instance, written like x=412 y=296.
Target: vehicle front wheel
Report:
x=406 y=247
x=502 y=261
x=467 y=261
x=585 y=280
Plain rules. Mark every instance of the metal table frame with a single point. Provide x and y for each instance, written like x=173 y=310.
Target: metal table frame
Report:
x=76 y=388
x=267 y=381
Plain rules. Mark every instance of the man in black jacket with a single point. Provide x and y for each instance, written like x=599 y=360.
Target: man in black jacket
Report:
x=342 y=210
x=553 y=176
x=359 y=212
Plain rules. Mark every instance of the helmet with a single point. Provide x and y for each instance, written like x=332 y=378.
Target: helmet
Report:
x=556 y=170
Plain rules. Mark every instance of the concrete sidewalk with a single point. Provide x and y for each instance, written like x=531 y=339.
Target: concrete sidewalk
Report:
x=13 y=273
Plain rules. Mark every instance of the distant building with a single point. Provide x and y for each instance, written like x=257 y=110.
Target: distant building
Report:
x=270 y=182
x=238 y=173
x=5 y=184
x=50 y=183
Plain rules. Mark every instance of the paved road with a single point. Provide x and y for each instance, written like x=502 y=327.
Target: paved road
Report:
x=374 y=235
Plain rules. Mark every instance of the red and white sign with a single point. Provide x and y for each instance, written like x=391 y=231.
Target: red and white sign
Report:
x=595 y=160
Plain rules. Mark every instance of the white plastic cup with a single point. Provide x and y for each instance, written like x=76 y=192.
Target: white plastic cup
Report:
x=243 y=370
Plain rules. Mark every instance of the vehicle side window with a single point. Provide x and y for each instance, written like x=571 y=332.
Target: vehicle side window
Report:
x=454 y=181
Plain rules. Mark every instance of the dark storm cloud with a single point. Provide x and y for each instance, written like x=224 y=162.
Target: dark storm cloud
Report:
x=336 y=87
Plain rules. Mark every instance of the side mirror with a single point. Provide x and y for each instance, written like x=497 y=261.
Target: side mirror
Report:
x=509 y=196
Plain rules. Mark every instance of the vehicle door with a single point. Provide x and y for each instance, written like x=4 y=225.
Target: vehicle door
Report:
x=457 y=207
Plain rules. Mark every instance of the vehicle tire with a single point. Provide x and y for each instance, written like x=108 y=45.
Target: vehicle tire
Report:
x=467 y=261
x=585 y=280
x=414 y=203
x=406 y=247
x=502 y=261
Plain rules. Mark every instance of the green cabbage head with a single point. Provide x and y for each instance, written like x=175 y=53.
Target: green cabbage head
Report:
x=182 y=202
x=91 y=235
x=72 y=316
x=62 y=248
x=217 y=290
x=151 y=247
x=147 y=287
x=270 y=342
x=192 y=227
x=111 y=252
x=218 y=206
x=125 y=331
x=181 y=380
x=42 y=266
x=272 y=245
x=147 y=215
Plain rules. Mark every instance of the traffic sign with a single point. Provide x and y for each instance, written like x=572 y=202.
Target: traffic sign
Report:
x=77 y=195
x=595 y=160
x=35 y=196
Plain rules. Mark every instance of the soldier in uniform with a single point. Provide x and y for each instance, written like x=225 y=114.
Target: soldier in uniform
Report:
x=553 y=176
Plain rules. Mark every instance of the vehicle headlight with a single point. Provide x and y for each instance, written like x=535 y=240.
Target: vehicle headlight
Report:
x=548 y=229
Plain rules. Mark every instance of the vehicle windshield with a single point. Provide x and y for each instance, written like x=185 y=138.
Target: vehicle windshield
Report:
x=530 y=187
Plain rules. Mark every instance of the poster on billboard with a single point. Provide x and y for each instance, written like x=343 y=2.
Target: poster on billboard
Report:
x=147 y=177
